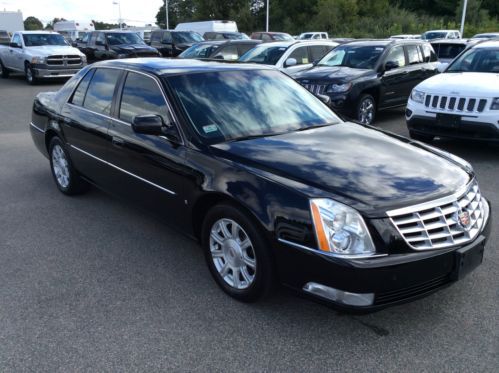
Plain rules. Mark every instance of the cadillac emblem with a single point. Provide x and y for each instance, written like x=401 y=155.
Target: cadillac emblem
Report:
x=464 y=219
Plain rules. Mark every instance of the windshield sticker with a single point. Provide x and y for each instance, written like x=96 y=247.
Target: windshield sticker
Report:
x=379 y=48
x=210 y=128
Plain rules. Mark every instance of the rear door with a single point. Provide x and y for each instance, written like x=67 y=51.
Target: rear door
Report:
x=416 y=69
x=86 y=119
x=394 y=81
x=148 y=170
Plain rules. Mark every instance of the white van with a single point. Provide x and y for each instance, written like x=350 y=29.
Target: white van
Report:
x=208 y=26
x=73 y=29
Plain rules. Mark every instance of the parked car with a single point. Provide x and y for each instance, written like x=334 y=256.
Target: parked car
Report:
x=463 y=102
x=363 y=77
x=345 y=213
x=288 y=56
x=487 y=35
x=208 y=26
x=441 y=34
x=109 y=45
x=4 y=37
x=229 y=50
x=171 y=43
x=406 y=36
x=39 y=55
x=447 y=49
x=271 y=36
x=341 y=40
x=313 y=36
x=225 y=36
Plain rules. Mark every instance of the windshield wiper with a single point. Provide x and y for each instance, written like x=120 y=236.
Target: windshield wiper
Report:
x=312 y=127
x=250 y=137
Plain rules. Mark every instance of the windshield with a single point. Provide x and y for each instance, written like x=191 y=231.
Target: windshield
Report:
x=482 y=60
x=199 y=51
x=282 y=37
x=354 y=56
x=231 y=105
x=37 y=40
x=267 y=55
x=434 y=35
x=120 y=38
x=236 y=36
x=448 y=51
x=305 y=36
x=186 y=37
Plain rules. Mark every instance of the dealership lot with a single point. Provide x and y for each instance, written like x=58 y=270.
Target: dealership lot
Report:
x=89 y=283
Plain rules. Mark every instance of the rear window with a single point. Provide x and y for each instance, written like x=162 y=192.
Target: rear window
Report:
x=449 y=51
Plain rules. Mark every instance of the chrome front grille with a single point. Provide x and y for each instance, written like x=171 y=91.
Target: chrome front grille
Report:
x=455 y=104
x=316 y=89
x=442 y=223
x=58 y=60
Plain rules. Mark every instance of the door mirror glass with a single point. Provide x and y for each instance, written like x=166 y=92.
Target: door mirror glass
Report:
x=442 y=66
x=291 y=62
x=390 y=65
x=148 y=124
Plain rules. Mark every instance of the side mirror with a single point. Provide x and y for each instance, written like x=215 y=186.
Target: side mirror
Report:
x=291 y=62
x=148 y=124
x=14 y=45
x=316 y=62
x=324 y=98
x=442 y=66
x=74 y=44
x=390 y=65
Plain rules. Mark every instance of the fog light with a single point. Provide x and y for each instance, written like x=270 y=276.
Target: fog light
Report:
x=340 y=296
x=408 y=113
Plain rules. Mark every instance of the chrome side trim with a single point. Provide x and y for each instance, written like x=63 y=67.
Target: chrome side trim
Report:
x=36 y=127
x=332 y=255
x=125 y=171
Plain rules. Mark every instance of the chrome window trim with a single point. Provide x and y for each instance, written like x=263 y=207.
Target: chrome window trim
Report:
x=332 y=255
x=36 y=127
x=125 y=171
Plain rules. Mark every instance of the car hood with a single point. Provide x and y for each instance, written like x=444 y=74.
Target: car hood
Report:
x=132 y=48
x=337 y=73
x=362 y=167
x=462 y=84
x=48 y=50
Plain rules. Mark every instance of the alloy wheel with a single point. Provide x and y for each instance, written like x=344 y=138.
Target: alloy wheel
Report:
x=366 y=111
x=60 y=166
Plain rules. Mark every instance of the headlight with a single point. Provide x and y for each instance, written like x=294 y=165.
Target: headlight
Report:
x=338 y=88
x=340 y=230
x=495 y=104
x=122 y=56
x=37 y=59
x=83 y=58
x=417 y=96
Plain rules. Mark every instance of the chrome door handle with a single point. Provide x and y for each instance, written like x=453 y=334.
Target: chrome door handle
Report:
x=118 y=142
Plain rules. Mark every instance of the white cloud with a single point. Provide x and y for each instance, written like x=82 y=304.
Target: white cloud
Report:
x=133 y=12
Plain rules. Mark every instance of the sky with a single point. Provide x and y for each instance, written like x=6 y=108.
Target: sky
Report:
x=133 y=12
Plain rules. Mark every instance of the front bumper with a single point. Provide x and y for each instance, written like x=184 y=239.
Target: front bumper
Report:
x=45 y=71
x=391 y=279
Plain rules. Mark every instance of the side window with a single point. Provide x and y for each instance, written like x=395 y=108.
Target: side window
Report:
x=428 y=53
x=156 y=37
x=265 y=37
x=243 y=48
x=93 y=37
x=167 y=37
x=413 y=54
x=300 y=55
x=101 y=38
x=318 y=51
x=85 y=38
x=17 y=39
x=316 y=36
x=397 y=55
x=100 y=92
x=79 y=95
x=141 y=96
x=228 y=53
x=324 y=36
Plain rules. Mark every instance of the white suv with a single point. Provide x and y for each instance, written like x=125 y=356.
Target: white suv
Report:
x=462 y=102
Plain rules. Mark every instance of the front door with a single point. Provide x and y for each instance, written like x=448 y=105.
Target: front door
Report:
x=394 y=80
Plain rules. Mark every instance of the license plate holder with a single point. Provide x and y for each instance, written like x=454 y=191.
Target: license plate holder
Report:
x=448 y=120
x=467 y=259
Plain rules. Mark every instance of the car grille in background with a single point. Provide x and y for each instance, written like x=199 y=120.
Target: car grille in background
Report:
x=316 y=89
x=437 y=225
x=146 y=54
x=411 y=291
x=64 y=60
x=456 y=104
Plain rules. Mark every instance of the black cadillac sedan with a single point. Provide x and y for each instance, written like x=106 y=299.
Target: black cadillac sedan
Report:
x=272 y=183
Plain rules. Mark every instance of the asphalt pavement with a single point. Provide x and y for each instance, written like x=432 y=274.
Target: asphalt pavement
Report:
x=89 y=283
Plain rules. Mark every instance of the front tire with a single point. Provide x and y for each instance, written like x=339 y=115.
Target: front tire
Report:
x=4 y=72
x=421 y=137
x=366 y=109
x=31 y=79
x=65 y=176
x=237 y=254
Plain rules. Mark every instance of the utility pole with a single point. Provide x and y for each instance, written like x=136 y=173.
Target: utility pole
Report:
x=267 y=18
x=119 y=13
x=166 y=13
x=465 y=5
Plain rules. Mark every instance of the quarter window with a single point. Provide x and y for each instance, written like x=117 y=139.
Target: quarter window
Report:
x=79 y=94
x=100 y=92
x=413 y=54
x=396 y=55
x=300 y=55
x=428 y=53
x=141 y=96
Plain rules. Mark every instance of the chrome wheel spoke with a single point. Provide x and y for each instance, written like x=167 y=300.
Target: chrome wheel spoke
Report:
x=216 y=238
x=247 y=277
x=235 y=278
x=224 y=271
x=245 y=244
x=225 y=230
x=249 y=262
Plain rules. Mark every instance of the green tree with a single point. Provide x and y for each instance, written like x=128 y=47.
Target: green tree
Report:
x=32 y=23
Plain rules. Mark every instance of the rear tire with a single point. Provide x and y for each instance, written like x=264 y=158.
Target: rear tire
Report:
x=4 y=72
x=65 y=176
x=421 y=137
x=237 y=254
x=366 y=109
x=31 y=79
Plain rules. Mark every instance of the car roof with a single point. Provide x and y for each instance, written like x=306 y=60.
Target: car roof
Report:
x=287 y=44
x=384 y=42
x=441 y=31
x=487 y=44
x=229 y=41
x=449 y=41
x=167 y=67
x=38 y=32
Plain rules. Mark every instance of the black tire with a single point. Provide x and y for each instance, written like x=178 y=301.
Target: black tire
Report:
x=263 y=280
x=421 y=137
x=4 y=72
x=75 y=184
x=366 y=109
x=29 y=74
